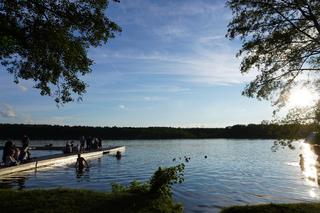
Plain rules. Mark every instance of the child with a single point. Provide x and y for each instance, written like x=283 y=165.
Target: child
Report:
x=81 y=163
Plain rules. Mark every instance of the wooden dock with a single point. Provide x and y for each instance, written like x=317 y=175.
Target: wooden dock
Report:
x=58 y=159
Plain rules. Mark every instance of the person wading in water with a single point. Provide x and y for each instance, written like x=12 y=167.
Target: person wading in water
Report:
x=81 y=163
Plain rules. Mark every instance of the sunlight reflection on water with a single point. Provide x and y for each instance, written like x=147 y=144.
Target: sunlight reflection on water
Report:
x=309 y=164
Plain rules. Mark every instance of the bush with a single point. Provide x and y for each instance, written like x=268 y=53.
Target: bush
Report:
x=159 y=185
x=164 y=178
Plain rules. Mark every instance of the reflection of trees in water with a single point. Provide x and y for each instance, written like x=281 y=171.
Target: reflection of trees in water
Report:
x=13 y=182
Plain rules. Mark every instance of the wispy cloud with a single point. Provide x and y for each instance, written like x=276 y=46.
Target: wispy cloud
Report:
x=7 y=111
x=121 y=106
x=154 y=98
x=171 y=31
x=169 y=8
x=23 y=88
x=204 y=67
x=181 y=39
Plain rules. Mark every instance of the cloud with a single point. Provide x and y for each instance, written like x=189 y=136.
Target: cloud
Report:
x=7 y=111
x=169 y=9
x=171 y=31
x=183 y=41
x=121 y=106
x=154 y=98
x=204 y=66
x=23 y=88
x=211 y=39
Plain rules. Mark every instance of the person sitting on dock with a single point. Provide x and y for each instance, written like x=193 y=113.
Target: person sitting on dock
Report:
x=10 y=160
x=81 y=163
x=16 y=152
x=8 y=147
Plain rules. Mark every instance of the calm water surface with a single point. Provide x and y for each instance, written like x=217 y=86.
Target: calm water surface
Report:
x=235 y=172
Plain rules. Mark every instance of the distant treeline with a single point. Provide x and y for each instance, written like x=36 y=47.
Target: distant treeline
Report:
x=251 y=131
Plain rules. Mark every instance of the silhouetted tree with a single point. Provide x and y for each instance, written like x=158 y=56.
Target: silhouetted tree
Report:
x=53 y=132
x=47 y=41
x=280 y=39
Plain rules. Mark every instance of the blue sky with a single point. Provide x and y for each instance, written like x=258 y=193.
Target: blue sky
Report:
x=170 y=66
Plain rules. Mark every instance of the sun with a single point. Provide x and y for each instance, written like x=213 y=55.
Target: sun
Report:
x=301 y=97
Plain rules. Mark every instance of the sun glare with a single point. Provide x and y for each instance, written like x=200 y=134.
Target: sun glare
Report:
x=301 y=97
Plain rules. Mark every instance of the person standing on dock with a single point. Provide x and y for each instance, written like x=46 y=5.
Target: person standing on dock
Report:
x=81 y=163
x=99 y=143
x=89 y=143
x=68 y=147
x=25 y=153
x=82 y=142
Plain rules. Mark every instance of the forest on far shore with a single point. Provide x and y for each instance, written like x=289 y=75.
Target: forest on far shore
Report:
x=250 y=131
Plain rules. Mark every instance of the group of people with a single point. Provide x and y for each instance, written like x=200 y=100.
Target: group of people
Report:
x=90 y=143
x=86 y=144
x=13 y=155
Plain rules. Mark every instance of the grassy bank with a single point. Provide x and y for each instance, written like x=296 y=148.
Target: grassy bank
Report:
x=275 y=208
x=70 y=200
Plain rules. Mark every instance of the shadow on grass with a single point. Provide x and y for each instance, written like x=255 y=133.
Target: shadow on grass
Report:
x=275 y=208
x=72 y=200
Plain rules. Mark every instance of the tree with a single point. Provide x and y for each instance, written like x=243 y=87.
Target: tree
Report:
x=281 y=40
x=47 y=41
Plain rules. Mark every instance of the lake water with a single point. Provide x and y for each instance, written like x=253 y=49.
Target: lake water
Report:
x=235 y=172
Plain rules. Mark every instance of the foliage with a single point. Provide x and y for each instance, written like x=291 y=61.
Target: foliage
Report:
x=159 y=185
x=158 y=188
x=295 y=117
x=47 y=41
x=134 y=187
x=163 y=178
x=251 y=131
x=280 y=39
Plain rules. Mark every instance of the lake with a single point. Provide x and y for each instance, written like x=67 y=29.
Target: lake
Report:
x=235 y=172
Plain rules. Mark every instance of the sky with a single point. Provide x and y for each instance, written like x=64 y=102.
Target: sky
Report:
x=170 y=66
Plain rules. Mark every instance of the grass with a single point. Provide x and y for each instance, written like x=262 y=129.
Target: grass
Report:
x=275 y=208
x=75 y=200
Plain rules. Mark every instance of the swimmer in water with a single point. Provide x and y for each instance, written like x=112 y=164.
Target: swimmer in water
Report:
x=81 y=163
